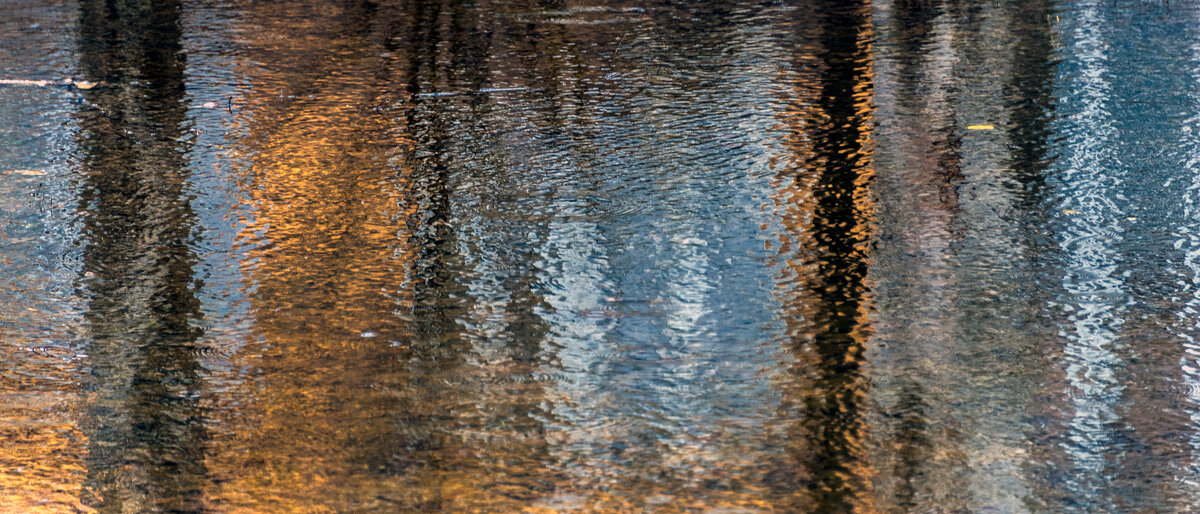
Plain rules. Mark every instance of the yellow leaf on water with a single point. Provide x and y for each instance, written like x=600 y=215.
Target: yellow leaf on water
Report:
x=31 y=173
x=1070 y=212
x=980 y=127
x=83 y=84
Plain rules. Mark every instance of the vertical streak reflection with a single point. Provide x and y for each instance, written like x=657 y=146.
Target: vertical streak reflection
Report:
x=826 y=208
x=309 y=420
x=1189 y=240
x=1094 y=289
x=146 y=434
x=921 y=170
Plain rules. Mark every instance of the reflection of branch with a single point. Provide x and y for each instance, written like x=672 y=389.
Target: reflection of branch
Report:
x=618 y=48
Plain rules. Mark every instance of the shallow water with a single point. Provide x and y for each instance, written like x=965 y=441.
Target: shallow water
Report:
x=500 y=256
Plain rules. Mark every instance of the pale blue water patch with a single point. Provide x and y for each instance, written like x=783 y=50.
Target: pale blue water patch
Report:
x=39 y=257
x=1150 y=107
x=638 y=271
x=222 y=212
x=675 y=252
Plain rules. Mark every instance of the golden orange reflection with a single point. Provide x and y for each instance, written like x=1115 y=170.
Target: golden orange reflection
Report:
x=307 y=424
x=361 y=389
x=42 y=449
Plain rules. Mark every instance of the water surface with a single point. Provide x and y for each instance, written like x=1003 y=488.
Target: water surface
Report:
x=426 y=255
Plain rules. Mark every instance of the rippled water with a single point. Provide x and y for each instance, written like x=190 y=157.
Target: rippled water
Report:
x=496 y=256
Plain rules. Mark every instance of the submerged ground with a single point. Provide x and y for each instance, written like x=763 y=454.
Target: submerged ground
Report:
x=901 y=255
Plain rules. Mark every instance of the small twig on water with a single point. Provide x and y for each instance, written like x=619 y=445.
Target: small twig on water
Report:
x=64 y=83
x=484 y=91
x=618 y=48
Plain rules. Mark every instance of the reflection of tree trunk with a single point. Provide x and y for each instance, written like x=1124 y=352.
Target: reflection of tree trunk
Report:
x=461 y=470
x=443 y=463
x=146 y=437
x=1029 y=100
x=830 y=298
x=918 y=320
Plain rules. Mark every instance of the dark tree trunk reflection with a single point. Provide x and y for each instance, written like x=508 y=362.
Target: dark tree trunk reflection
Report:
x=146 y=431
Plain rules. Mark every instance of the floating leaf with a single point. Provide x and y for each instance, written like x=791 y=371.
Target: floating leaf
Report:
x=83 y=84
x=30 y=173
x=1071 y=212
x=980 y=127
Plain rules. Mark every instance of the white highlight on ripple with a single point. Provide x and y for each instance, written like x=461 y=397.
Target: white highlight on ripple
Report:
x=1190 y=238
x=574 y=273
x=1090 y=278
